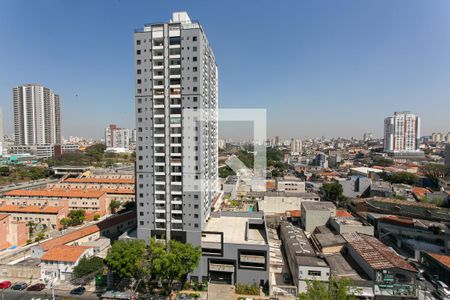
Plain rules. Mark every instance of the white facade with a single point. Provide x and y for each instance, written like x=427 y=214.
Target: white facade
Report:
x=1 y=131
x=402 y=133
x=296 y=146
x=37 y=115
x=116 y=137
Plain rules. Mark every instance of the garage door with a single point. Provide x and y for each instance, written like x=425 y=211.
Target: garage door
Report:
x=221 y=277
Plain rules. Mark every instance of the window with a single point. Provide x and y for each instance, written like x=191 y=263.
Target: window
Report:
x=314 y=273
x=194 y=69
x=194 y=58
x=193 y=79
x=138 y=52
x=195 y=99
x=193 y=49
x=138 y=61
x=194 y=38
x=138 y=42
x=139 y=71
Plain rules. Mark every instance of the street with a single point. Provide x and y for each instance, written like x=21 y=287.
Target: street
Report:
x=9 y=294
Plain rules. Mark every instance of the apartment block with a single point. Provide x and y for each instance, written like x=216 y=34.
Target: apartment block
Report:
x=402 y=134
x=116 y=137
x=176 y=122
x=50 y=216
x=37 y=115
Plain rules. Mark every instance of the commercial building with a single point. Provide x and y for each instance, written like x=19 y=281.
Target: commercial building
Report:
x=117 y=138
x=393 y=277
x=37 y=115
x=281 y=202
x=176 y=122
x=314 y=214
x=235 y=249
x=45 y=151
x=402 y=134
x=290 y=184
x=304 y=264
x=437 y=264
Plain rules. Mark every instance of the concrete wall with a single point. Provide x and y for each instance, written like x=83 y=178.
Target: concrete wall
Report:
x=23 y=273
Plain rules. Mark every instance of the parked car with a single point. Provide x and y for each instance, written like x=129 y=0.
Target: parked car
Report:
x=36 y=287
x=5 y=284
x=19 y=286
x=78 y=291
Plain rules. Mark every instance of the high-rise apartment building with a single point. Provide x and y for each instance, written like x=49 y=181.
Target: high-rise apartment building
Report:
x=116 y=137
x=296 y=146
x=402 y=133
x=37 y=115
x=1 y=131
x=447 y=154
x=176 y=122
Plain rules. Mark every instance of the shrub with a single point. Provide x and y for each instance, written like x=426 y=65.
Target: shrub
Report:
x=96 y=217
x=247 y=289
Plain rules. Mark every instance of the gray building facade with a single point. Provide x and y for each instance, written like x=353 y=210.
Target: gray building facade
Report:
x=176 y=129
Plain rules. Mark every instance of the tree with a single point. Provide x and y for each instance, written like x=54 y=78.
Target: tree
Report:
x=65 y=222
x=343 y=289
x=172 y=261
x=403 y=177
x=435 y=171
x=87 y=266
x=127 y=259
x=31 y=225
x=114 y=205
x=333 y=191
x=4 y=171
x=383 y=162
x=76 y=217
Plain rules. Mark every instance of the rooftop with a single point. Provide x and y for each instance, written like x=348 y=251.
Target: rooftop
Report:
x=443 y=259
x=340 y=267
x=64 y=253
x=311 y=261
x=329 y=239
x=234 y=230
x=375 y=253
x=320 y=205
x=3 y=216
x=295 y=240
x=100 y=180
x=30 y=209
x=56 y=193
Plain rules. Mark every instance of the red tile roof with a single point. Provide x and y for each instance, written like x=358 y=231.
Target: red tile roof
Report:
x=375 y=253
x=419 y=191
x=56 y=193
x=443 y=259
x=99 y=180
x=343 y=213
x=64 y=253
x=30 y=209
x=88 y=230
x=294 y=213
x=3 y=216
x=398 y=220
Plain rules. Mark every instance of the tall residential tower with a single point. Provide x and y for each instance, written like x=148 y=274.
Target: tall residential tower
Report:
x=176 y=122
x=37 y=116
x=402 y=133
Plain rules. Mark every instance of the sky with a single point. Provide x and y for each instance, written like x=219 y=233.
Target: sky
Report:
x=320 y=68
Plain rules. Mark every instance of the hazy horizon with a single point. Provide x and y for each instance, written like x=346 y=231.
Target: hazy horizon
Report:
x=319 y=68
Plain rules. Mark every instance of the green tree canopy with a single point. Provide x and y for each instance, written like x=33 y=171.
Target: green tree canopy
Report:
x=435 y=171
x=87 y=266
x=402 y=177
x=127 y=258
x=114 y=205
x=343 y=289
x=76 y=217
x=333 y=191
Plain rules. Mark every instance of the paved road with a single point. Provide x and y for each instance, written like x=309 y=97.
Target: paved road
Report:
x=46 y=294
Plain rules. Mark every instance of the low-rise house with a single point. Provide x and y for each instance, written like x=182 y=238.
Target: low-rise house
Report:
x=59 y=262
x=47 y=216
x=93 y=201
x=12 y=233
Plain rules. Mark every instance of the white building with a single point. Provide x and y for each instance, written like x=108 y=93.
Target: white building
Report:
x=116 y=137
x=1 y=131
x=59 y=262
x=176 y=122
x=402 y=133
x=37 y=115
x=296 y=147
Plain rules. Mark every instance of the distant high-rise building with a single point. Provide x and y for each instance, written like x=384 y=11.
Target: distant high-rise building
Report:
x=221 y=144
x=367 y=136
x=447 y=137
x=176 y=121
x=437 y=137
x=116 y=137
x=37 y=115
x=296 y=146
x=402 y=133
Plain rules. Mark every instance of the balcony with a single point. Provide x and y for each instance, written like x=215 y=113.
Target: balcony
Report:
x=160 y=46
x=158 y=66
x=158 y=86
x=177 y=226
x=160 y=173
